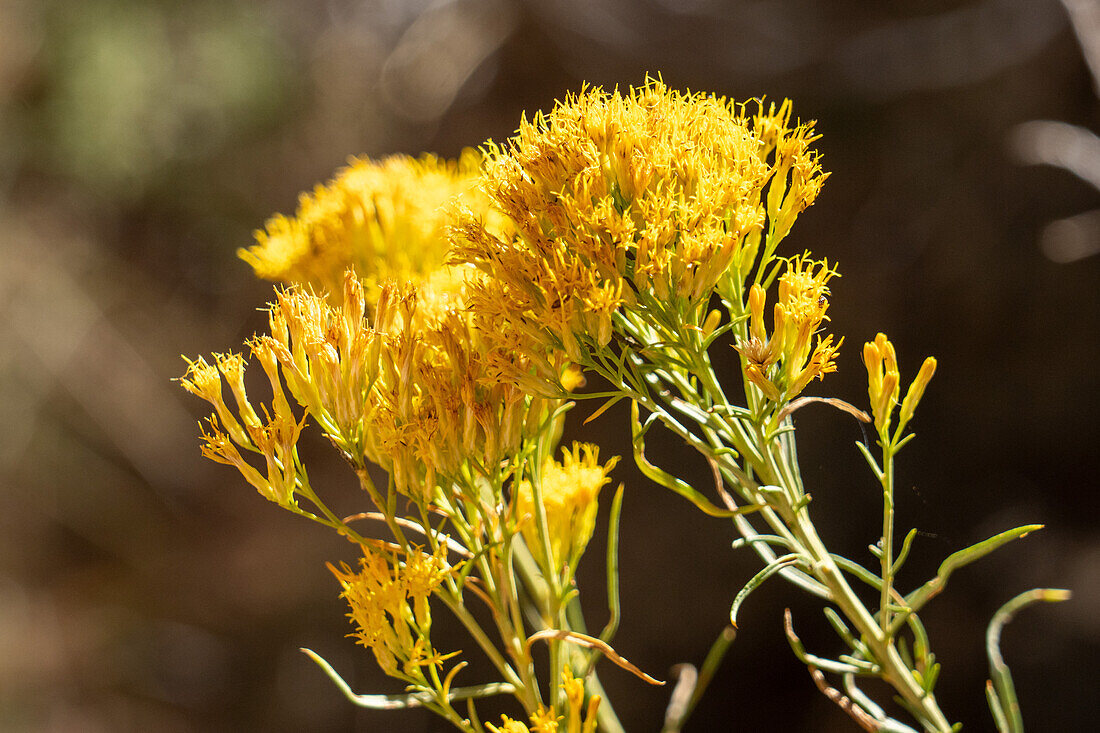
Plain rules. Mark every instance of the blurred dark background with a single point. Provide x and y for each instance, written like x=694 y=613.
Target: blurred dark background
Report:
x=141 y=142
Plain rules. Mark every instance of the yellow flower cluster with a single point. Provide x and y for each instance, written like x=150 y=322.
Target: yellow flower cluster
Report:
x=390 y=608
x=274 y=438
x=569 y=490
x=439 y=403
x=383 y=219
x=419 y=393
x=784 y=363
x=508 y=725
x=616 y=199
x=884 y=384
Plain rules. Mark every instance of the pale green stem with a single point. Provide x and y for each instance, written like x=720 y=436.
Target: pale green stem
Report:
x=887 y=548
x=522 y=676
x=895 y=671
x=532 y=580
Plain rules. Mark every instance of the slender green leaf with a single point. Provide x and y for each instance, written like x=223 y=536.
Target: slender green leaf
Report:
x=956 y=560
x=904 y=552
x=681 y=487
x=843 y=631
x=858 y=571
x=870 y=460
x=828 y=665
x=767 y=539
x=999 y=718
x=613 y=567
x=1003 y=689
x=755 y=581
x=407 y=700
x=603 y=408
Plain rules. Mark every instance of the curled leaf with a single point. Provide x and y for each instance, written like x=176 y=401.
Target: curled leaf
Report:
x=591 y=642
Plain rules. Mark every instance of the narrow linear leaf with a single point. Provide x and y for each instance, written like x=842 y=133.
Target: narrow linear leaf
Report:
x=843 y=631
x=1001 y=691
x=959 y=559
x=860 y=698
x=812 y=660
x=870 y=460
x=767 y=539
x=831 y=401
x=407 y=700
x=903 y=554
x=755 y=581
x=613 y=566
x=603 y=408
x=858 y=571
x=717 y=333
x=995 y=707
x=681 y=487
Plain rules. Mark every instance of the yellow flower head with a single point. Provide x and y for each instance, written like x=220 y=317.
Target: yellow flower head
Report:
x=385 y=219
x=784 y=363
x=507 y=725
x=883 y=379
x=570 y=489
x=619 y=198
x=444 y=398
x=578 y=719
x=390 y=609
x=545 y=720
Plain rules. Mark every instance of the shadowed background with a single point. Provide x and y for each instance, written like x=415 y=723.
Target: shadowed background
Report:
x=142 y=588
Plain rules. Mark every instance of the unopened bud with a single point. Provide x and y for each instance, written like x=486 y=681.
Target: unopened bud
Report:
x=916 y=389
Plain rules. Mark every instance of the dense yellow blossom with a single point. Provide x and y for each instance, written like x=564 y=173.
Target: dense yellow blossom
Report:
x=440 y=402
x=783 y=363
x=570 y=489
x=415 y=389
x=579 y=718
x=385 y=219
x=390 y=608
x=618 y=198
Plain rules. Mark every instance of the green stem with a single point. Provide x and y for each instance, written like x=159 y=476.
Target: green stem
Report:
x=887 y=548
x=779 y=468
x=474 y=628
